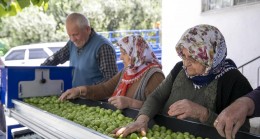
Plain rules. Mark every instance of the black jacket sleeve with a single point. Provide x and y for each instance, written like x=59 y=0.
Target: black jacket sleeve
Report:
x=230 y=87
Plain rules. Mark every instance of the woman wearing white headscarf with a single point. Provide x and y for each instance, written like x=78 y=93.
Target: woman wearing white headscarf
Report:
x=199 y=87
x=130 y=87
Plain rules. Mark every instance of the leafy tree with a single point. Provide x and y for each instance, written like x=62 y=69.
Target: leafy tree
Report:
x=12 y=7
x=36 y=23
x=60 y=9
x=122 y=14
x=109 y=15
x=20 y=29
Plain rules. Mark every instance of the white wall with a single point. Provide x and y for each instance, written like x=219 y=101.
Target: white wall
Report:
x=240 y=26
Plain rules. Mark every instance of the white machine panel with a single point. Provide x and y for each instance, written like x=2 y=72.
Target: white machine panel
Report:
x=41 y=86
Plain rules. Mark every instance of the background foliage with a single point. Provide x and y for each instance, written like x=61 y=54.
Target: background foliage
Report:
x=43 y=21
x=12 y=7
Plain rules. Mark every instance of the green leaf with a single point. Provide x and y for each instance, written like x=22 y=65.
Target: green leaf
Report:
x=7 y=1
x=12 y=9
x=2 y=11
x=35 y=2
x=3 y=3
x=40 y=3
x=24 y=3
x=45 y=7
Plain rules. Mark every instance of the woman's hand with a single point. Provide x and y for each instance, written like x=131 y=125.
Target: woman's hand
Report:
x=233 y=117
x=70 y=94
x=185 y=108
x=140 y=125
x=120 y=102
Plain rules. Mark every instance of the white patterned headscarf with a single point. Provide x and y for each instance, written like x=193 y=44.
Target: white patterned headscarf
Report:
x=207 y=45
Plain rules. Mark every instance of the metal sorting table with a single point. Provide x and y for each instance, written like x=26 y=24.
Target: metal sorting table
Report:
x=49 y=125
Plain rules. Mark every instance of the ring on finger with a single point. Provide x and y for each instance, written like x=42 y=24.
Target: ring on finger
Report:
x=216 y=122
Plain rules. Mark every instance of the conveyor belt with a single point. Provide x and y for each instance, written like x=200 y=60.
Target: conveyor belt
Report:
x=51 y=126
x=174 y=124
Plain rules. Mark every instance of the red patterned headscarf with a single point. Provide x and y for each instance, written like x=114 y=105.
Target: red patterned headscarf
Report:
x=142 y=59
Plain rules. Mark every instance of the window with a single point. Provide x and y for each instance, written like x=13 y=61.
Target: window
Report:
x=16 y=55
x=37 y=53
x=208 y=5
x=239 y=2
x=215 y=4
x=55 y=49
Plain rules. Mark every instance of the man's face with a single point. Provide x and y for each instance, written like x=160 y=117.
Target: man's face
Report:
x=79 y=36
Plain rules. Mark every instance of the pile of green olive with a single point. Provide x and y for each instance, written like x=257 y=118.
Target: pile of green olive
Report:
x=100 y=119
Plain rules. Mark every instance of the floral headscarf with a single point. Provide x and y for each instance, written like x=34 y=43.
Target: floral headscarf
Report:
x=207 y=45
x=141 y=54
x=142 y=59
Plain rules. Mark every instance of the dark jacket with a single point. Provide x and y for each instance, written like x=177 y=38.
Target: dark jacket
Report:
x=230 y=87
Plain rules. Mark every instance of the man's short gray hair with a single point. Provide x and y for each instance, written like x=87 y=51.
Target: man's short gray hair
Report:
x=80 y=19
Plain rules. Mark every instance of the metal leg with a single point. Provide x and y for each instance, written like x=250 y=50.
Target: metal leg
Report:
x=9 y=128
x=2 y=118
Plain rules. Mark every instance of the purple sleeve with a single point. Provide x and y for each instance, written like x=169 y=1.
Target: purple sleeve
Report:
x=255 y=96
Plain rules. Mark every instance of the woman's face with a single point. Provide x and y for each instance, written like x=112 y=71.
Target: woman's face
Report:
x=193 y=67
x=125 y=57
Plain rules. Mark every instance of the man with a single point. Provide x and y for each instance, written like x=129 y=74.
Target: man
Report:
x=233 y=117
x=92 y=56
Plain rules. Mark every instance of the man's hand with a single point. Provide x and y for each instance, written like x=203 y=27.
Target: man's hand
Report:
x=233 y=117
x=185 y=108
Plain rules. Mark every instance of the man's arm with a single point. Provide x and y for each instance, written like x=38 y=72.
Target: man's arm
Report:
x=233 y=117
x=255 y=96
x=59 y=57
x=107 y=62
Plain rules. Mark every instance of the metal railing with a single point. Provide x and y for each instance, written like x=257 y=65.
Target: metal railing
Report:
x=258 y=69
x=242 y=66
x=152 y=36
